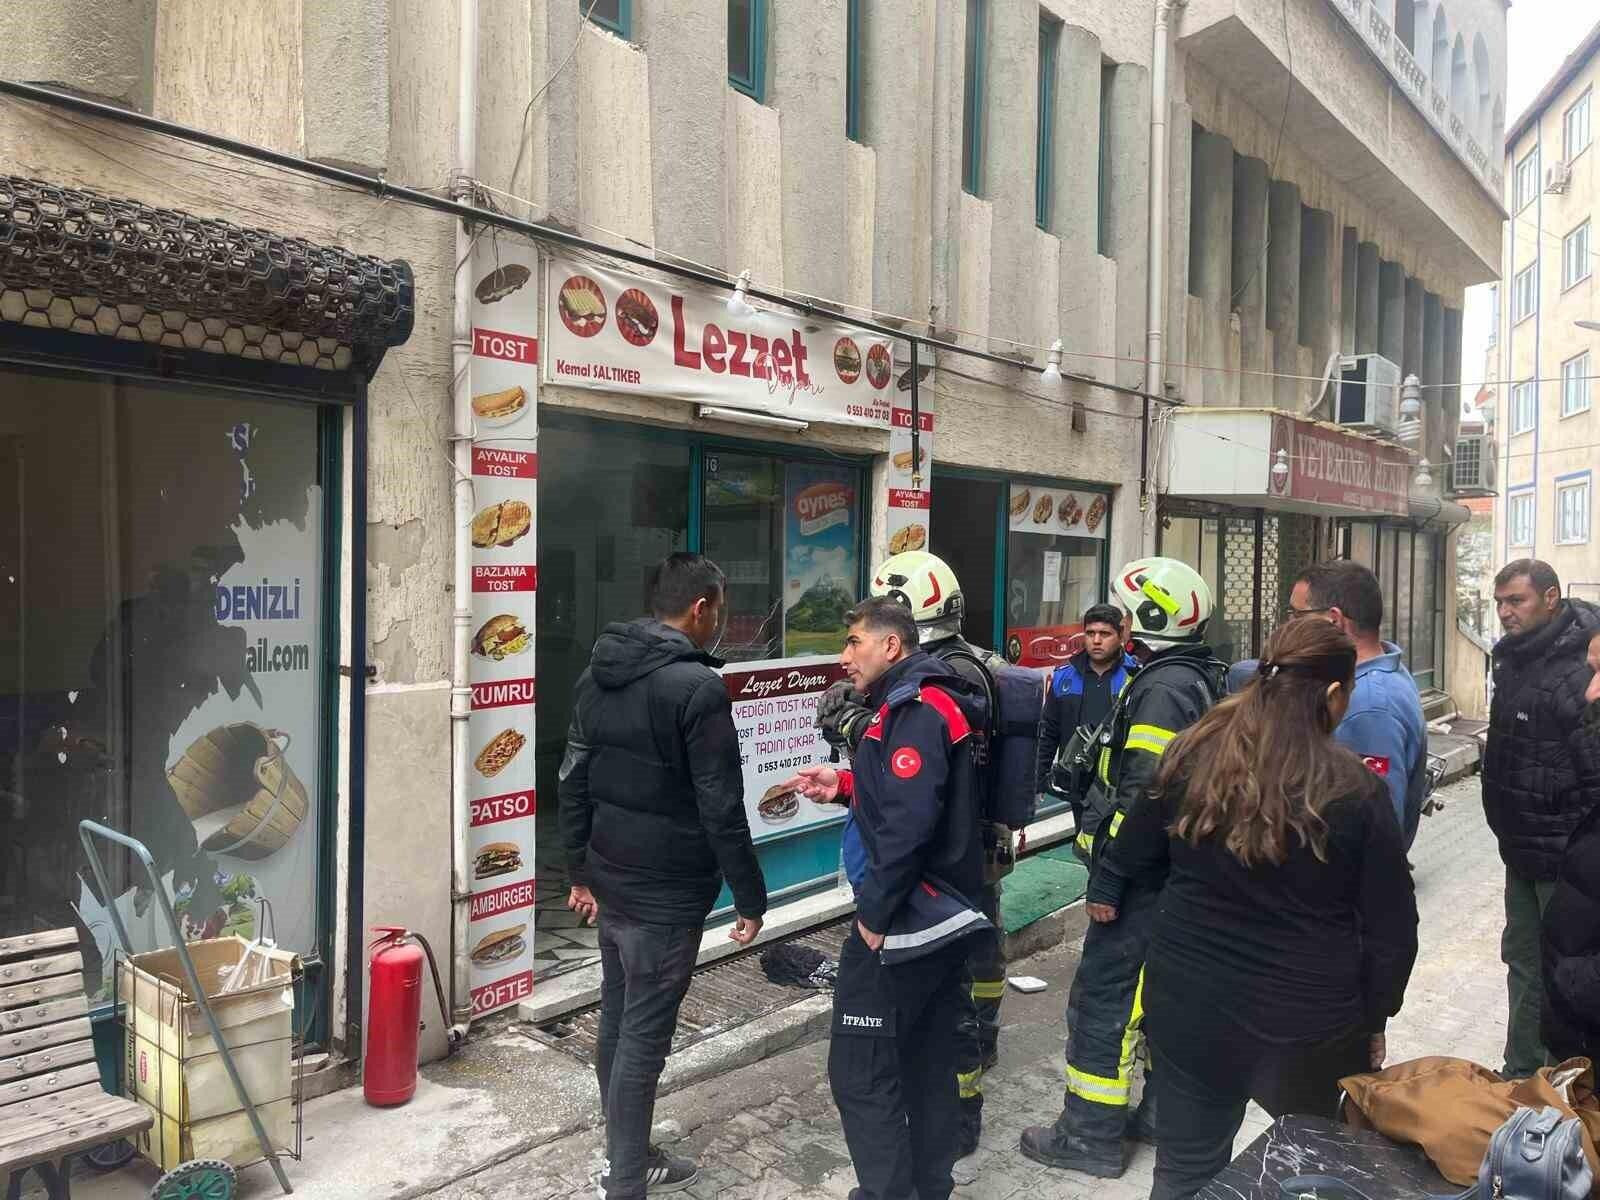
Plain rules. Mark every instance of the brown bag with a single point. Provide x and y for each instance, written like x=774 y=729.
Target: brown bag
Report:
x=1451 y=1107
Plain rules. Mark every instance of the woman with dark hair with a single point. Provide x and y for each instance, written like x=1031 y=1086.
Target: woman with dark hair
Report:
x=1288 y=924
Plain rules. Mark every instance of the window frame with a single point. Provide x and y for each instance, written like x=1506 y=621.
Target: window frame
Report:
x=1531 y=273
x=974 y=107
x=1526 y=390
x=1568 y=154
x=1565 y=485
x=852 y=70
x=1044 y=155
x=1530 y=161
x=1520 y=498
x=1585 y=263
x=622 y=26
x=1587 y=382
x=754 y=86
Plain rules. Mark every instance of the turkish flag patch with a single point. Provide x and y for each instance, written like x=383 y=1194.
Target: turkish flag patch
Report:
x=905 y=762
x=1377 y=765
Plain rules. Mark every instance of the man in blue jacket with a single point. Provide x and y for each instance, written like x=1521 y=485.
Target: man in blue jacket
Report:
x=1385 y=725
x=915 y=861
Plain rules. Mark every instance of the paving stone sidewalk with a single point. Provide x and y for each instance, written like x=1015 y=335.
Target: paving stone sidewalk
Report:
x=770 y=1131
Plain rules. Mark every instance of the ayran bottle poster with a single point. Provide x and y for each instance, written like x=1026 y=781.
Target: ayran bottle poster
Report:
x=505 y=469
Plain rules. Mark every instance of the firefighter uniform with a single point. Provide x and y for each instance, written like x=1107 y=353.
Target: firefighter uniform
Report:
x=915 y=846
x=1105 y=1008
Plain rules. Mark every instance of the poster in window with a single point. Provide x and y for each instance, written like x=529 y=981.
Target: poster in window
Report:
x=821 y=556
x=505 y=577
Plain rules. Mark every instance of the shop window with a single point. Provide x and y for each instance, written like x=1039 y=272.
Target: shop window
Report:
x=747 y=48
x=974 y=101
x=615 y=15
x=163 y=656
x=1051 y=576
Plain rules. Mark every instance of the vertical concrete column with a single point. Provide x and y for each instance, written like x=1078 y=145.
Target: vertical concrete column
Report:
x=1392 y=312
x=1011 y=134
x=1318 y=271
x=1077 y=186
x=1211 y=257
x=1433 y=372
x=897 y=122
x=941 y=170
x=806 y=84
x=687 y=43
x=1128 y=122
x=347 y=107
x=1412 y=363
x=549 y=173
x=1367 y=298
x=1283 y=291
x=1448 y=405
x=1349 y=253
x=1249 y=285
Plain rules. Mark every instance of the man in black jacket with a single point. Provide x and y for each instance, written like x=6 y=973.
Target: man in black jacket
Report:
x=652 y=820
x=917 y=871
x=1532 y=795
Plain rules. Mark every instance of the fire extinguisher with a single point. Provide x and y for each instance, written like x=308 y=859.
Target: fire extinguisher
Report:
x=394 y=1013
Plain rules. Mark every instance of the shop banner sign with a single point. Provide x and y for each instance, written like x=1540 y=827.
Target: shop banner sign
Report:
x=1045 y=508
x=775 y=711
x=821 y=559
x=909 y=505
x=505 y=469
x=620 y=332
x=1327 y=466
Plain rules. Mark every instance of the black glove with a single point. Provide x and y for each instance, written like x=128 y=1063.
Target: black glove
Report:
x=842 y=715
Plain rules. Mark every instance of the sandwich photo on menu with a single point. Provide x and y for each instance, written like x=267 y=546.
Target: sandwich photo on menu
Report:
x=500 y=946
x=500 y=637
x=497 y=858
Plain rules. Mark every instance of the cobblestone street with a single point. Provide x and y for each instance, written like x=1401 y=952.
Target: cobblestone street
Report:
x=770 y=1131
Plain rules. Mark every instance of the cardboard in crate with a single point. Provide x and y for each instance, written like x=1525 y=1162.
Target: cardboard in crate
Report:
x=173 y=1066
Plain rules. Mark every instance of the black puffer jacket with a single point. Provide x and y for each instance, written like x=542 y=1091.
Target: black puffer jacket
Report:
x=1571 y=1023
x=652 y=796
x=1532 y=795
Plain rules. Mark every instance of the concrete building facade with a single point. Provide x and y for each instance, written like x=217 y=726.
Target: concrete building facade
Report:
x=975 y=172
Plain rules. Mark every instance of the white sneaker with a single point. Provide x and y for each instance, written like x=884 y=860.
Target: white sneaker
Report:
x=663 y=1173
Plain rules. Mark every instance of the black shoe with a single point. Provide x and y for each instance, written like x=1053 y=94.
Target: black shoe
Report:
x=991 y=1056
x=663 y=1172
x=971 y=1131
x=1070 y=1153
x=1142 y=1123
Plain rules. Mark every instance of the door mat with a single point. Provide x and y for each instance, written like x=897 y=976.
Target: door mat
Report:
x=1041 y=884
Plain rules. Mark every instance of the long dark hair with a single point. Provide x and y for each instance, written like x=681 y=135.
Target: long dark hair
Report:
x=1263 y=764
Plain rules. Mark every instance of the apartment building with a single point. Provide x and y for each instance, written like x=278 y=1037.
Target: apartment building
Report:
x=1549 y=330
x=721 y=231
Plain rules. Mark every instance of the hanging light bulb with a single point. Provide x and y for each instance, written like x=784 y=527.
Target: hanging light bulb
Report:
x=1424 y=475
x=739 y=303
x=1052 y=366
x=1280 y=468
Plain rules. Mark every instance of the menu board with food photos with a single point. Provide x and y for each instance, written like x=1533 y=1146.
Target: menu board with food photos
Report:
x=623 y=332
x=909 y=504
x=505 y=469
x=1048 y=508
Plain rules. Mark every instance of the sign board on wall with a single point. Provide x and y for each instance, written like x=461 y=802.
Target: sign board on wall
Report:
x=1328 y=466
x=505 y=468
x=1045 y=508
x=619 y=332
x=909 y=505
x=774 y=710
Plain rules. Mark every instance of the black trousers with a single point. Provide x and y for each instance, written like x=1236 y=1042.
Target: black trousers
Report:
x=979 y=1036
x=892 y=1066
x=644 y=973
x=1200 y=1104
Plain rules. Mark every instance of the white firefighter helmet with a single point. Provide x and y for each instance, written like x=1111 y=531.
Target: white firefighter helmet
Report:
x=926 y=585
x=1170 y=601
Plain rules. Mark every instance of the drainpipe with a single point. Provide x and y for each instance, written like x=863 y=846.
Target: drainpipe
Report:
x=461 y=576
x=1156 y=296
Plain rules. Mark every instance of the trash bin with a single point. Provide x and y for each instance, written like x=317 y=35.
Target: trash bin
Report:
x=175 y=1069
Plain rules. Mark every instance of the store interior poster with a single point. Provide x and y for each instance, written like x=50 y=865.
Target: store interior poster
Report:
x=822 y=557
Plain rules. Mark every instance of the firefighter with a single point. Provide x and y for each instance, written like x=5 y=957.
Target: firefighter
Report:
x=926 y=584
x=1170 y=605
x=914 y=860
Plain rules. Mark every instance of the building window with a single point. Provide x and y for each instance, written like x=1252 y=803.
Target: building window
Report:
x=1519 y=515
x=1527 y=180
x=1575 y=128
x=972 y=107
x=1575 y=385
x=1108 y=73
x=1572 y=510
x=747 y=48
x=1575 y=256
x=615 y=15
x=1524 y=404
x=1525 y=293
x=1044 y=155
x=852 y=71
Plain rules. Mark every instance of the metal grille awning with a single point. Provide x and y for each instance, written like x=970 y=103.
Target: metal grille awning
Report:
x=74 y=261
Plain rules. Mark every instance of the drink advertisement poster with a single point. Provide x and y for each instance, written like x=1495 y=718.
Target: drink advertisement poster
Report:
x=505 y=469
x=822 y=557
x=909 y=504
x=775 y=711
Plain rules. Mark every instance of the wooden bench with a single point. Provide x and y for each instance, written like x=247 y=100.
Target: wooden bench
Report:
x=51 y=1103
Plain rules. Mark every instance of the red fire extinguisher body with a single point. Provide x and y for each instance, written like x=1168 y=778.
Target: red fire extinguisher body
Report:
x=394 y=1014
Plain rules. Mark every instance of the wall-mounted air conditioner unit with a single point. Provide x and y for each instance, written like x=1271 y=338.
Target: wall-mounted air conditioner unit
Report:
x=1557 y=178
x=1369 y=394
x=1472 y=471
